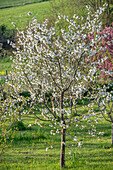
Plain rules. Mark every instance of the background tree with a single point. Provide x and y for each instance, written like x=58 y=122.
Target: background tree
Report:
x=96 y=4
x=7 y=116
x=51 y=62
x=107 y=65
x=102 y=86
x=10 y=115
x=103 y=101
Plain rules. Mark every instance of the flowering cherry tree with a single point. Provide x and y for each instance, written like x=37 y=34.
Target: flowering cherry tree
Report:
x=53 y=64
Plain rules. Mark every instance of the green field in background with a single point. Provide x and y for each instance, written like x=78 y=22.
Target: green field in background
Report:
x=9 y=3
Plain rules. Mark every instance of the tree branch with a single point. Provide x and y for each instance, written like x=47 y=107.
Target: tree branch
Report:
x=74 y=73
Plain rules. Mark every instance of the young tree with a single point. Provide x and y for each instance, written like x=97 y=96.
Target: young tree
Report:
x=6 y=119
x=53 y=64
x=10 y=112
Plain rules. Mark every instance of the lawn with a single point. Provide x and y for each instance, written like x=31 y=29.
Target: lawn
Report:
x=36 y=148
x=5 y=64
x=6 y=3
x=19 y=15
x=5 y=67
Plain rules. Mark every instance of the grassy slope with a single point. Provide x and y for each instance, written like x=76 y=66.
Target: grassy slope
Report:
x=19 y=15
x=6 y=3
x=28 y=150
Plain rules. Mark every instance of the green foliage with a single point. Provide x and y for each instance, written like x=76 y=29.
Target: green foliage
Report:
x=2 y=80
x=68 y=8
x=25 y=94
x=5 y=64
x=6 y=33
x=27 y=135
x=19 y=125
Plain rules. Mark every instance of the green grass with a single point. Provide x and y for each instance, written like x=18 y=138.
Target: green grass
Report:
x=19 y=15
x=6 y=3
x=5 y=64
x=28 y=148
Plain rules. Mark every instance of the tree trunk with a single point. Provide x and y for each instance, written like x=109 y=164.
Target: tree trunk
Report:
x=63 y=133
x=97 y=4
x=100 y=3
x=112 y=134
x=62 y=157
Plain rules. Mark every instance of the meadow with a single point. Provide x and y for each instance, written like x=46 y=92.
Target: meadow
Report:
x=41 y=11
x=11 y=3
x=19 y=15
x=36 y=148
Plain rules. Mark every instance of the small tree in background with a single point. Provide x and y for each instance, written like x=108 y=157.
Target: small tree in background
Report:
x=7 y=116
x=95 y=5
x=53 y=64
x=10 y=115
x=107 y=66
x=105 y=55
x=103 y=100
x=102 y=86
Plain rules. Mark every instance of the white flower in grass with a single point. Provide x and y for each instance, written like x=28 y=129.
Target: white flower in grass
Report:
x=13 y=24
x=101 y=133
x=29 y=125
x=57 y=131
x=80 y=144
x=29 y=13
x=51 y=147
x=51 y=132
x=75 y=138
x=96 y=121
x=46 y=149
